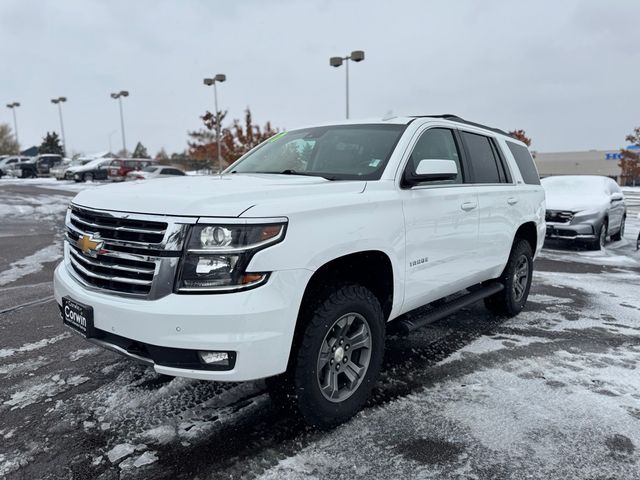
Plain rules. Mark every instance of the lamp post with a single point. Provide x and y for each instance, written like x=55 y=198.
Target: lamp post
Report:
x=219 y=78
x=118 y=96
x=13 y=107
x=59 y=101
x=356 y=56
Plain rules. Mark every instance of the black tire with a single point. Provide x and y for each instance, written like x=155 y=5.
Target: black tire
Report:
x=87 y=177
x=616 y=237
x=511 y=300
x=601 y=240
x=329 y=319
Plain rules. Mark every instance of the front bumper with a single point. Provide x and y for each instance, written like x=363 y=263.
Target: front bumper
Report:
x=257 y=325
x=582 y=231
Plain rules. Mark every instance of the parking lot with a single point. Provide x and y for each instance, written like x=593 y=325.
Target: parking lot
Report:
x=553 y=393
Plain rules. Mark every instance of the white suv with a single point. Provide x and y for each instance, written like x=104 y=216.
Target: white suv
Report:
x=291 y=263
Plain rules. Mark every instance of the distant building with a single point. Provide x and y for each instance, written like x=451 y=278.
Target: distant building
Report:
x=590 y=162
x=30 y=152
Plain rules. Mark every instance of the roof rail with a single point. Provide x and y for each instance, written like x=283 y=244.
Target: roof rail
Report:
x=457 y=119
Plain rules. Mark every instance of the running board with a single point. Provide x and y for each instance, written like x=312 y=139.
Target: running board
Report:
x=407 y=325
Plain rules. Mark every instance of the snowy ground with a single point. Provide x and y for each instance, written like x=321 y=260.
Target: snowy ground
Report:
x=553 y=393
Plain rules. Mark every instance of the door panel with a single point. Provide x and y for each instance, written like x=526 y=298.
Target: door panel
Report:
x=500 y=213
x=441 y=242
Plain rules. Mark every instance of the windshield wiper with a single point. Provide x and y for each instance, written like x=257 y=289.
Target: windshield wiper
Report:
x=289 y=171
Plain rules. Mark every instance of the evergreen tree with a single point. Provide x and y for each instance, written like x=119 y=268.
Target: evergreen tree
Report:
x=51 y=144
x=140 y=151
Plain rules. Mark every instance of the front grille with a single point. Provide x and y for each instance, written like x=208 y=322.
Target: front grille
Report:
x=113 y=273
x=136 y=250
x=116 y=228
x=559 y=216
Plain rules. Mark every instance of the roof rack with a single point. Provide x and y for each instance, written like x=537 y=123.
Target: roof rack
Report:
x=457 y=119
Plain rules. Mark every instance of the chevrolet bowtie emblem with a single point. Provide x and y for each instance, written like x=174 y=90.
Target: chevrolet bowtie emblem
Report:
x=89 y=245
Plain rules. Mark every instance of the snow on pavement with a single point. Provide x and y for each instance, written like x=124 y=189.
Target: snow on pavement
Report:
x=31 y=264
x=521 y=405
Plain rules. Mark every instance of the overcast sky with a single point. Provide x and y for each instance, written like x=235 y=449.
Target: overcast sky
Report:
x=567 y=72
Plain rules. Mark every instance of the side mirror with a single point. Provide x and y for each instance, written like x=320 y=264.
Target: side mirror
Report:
x=432 y=170
x=616 y=197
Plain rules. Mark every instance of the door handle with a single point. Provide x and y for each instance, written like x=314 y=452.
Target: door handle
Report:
x=512 y=200
x=466 y=206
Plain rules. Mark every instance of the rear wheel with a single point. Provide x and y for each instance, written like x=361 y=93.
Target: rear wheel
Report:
x=516 y=279
x=620 y=235
x=337 y=360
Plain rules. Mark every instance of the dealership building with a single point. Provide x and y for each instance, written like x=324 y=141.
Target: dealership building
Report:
x=590 y=162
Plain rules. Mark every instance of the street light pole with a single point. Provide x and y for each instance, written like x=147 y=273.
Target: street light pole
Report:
x=356 y=56
x=219 y=78
x=59 y=101
x=118 y=96
x=13 y=107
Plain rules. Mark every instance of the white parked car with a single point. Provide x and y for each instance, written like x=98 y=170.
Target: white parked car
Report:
x=585 y=208
x=154 y=171
x=291 y=264
x=9 y=163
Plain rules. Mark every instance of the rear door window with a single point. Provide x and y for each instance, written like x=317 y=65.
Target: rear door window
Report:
x=483 y=158
x=525 y=163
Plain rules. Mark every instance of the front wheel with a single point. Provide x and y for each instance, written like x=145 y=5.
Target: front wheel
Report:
x=600 y=242
x=516 y=278
x=338 y=358
x=620 y=235
x=87 y=177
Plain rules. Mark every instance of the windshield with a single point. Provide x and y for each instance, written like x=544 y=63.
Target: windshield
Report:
x=342 y=152
x=573 y=183
x=150 y=169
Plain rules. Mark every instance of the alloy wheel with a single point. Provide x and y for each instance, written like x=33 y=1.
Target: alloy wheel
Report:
x=344 y=357
x=520 y=278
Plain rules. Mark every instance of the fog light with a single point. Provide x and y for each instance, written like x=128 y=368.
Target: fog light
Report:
x=214 y=358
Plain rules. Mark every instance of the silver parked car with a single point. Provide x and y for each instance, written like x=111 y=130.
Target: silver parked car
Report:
x=584 y=208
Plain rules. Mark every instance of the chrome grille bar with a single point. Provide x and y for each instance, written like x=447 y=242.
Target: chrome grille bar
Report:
x=97 y=263
x=88 y=273
x=118 y=229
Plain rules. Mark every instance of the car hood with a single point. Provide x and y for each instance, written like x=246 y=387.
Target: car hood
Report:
x=212 y=196
x=574 y=201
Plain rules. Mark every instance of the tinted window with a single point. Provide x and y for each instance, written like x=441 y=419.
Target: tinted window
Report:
x=485 y=166
x=525 y=163
x=435 y=144
x=172 y=171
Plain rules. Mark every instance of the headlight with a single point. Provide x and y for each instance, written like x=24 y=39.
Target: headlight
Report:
x=217 y=256
x=587 y=213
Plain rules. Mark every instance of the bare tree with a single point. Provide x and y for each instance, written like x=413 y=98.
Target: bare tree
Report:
x=8 y=144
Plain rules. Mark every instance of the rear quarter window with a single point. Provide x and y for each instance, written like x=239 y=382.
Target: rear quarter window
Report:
x=525 y=163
